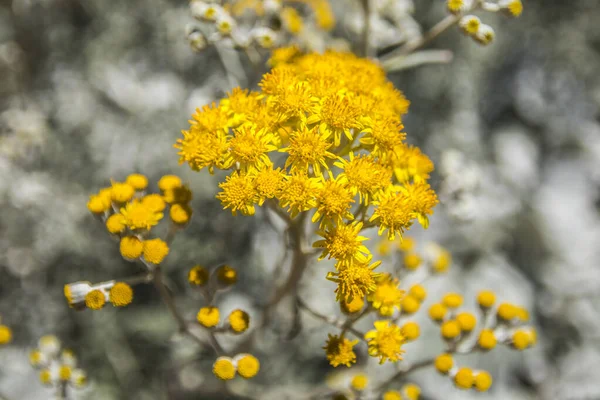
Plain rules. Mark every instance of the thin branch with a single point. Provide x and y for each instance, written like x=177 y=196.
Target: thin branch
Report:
x=404 y=371
x=330 y=320
x=417 y=59
x=366 y=50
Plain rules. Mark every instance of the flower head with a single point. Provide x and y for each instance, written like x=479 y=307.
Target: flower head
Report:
x=239 y=321
x=334 y=200
x=387 y=295
x=208 y=316
x=137 y=215
x=198 y=276
x=155 y=250
x=95 y=299
x=338 y=114
x=238 y=193
x=120 y=294
x=365 y=176
x=131 y=247
x=339 y=351
x=385 y=342
x=308 y=148
x=343 y=243
x=298 y=193
x=247 y=365
x=249 y=147
x=5 y=334
x=224 y=369
x=354 y=280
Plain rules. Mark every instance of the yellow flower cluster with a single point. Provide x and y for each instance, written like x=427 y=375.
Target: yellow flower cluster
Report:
x=463 y=377
x=245 y=365
x=81 y=295
x=410 y=391
x=57 y=366
x=472 y=26
x=324 y=134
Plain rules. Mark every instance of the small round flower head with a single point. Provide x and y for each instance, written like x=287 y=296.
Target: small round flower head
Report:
x=64 y=373
x=155 y=250
x=522 y=314
x=354 y=306
x=418 y=292
x=225 y=24
x=180 y=213
x=5 y=334
x=359 y=382
x=406 y=244
x=392 y=395
x=464 y=378
x=169 y=182
x=487 y=339
x=46 y=377
x=339 y=351
x=452 y=300
x=136 y=215
x=198 y=276
x=483 y=381
x=385 y=341
x=520 y=339
x=181 y=194
x=409 y=304
x=412 y=261
x=239 y=321
x=444 y=363
x=137 y=181
x=204 y=11
x=78 y=378
x=387 y=296
x=37 y=358
x=226 y=275
x=224 y=369
x=384 y=247
x=67 y=357
x=98 y=204
x=485 y=35
x=121 y=192
x=507 y=312
x=247 y=365
x=208 y=316
x=486 y=299
x=410 y=330
x=120 y=294
x=131 y=247
x=265 y=37
x=455 y=6
x=450 y=329
x=75 y=293
x=115 y=224
x=467 y=321
x=411 y=391
x=49 y=345
x=513 y=8
x=154 y=202
x=469 y=24
x=95 y=299
x=437 y=311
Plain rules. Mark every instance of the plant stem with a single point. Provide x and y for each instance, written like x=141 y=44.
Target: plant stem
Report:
x=366 y=50
x=411 y=368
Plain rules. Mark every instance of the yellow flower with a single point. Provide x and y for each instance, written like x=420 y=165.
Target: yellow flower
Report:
x=365 y=176
x=95 y=299
x=292 y=20
x=410 y=164
x=198 y=276
x=464 y=378
x=249 y=147
x=410 y=330
x=239 y=321
x=268 y=183
x=239 y=193
x=121 y=192
x=354 y=306
x=137 y=181
x=469 y=24
x=334 y=200
x=64 y=373
x=284 y=55
x=308 y=148
x=418 y=292
x=437 y=312
x=240 y=104
x=180 y=213
x=383 y=135
x=387 y=296
x=422 y=199
x=487 y=339
x=450 y=329
x=292 y=99
x=115 y=223
x=169 y=182
x=343 y=243
x=339 y=351
x=37 y=358
x=131 y=247
x=224 y=369
x=385 y=342
x=354 y=280
x=412 y=391
x=521 y=339
x=359 y=382
x=514 y=8
x=138 y=216
x=208 y=316
x=247 y=365
x=467 y=321
x=99 y=204
x=154 y=202
x=392 y=395
x=120 y=294
x=155 y=250
x=507 y=312
x=485 y=35
x=444 y=363
x=45 y=377
x=298 y=193
x=412 y=261
x=409 y=304
x=338 y=114
x=226 y=275
x=483 y=381
x=452 y=300
x=455 y=6
x=5 y=334
x=393 y=211
x=486 y=299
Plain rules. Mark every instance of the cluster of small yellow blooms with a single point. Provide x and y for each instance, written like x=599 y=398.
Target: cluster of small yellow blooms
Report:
x=5 y=334
x=338 y=123
x=247 y=23
x=472 y=26
x=409 y=391
x=436 y=258
x=238 y=321
x=506 y=324
x=82 y=295
x=58 y=366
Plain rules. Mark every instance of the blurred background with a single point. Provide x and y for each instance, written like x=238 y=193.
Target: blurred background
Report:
x=92 y=90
